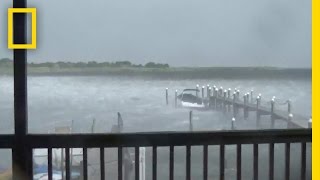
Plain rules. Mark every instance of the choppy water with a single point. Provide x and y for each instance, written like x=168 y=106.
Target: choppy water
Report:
x=56 y=101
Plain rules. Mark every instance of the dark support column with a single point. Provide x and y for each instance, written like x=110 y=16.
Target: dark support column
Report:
x=21 y=154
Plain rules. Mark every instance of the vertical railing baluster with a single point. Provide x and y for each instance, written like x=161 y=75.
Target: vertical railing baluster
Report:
x=303 y=160
x=271 y=161
x=239 y=161
x=49 y=163
x=188 y=163
x=154 y=163
x=119 y=163
x=67 y=163
x=85 y=164
x=222 y=147
x=205 y=162
x=287 y=159
x=171 y=163
x=255 y=161
x=102 y=167
x=136 y=162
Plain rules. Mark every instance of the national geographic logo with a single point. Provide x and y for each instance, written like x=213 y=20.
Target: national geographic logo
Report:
x=33 y=44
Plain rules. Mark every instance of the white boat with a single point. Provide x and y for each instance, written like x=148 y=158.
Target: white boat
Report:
x=190 y=98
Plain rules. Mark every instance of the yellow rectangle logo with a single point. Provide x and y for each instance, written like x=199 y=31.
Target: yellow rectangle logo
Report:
x=33 y=12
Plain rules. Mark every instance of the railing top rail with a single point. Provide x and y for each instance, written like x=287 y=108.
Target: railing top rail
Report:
x=162 y=138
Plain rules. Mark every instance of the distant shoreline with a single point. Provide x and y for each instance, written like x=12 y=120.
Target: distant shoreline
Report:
x=172 y=72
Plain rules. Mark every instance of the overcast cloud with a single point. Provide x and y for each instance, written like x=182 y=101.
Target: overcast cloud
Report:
x=178 y=32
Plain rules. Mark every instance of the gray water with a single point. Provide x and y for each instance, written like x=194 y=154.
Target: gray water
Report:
x=56 y=101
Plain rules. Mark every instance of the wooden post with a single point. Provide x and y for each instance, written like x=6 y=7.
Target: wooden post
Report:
x=190 y=121
x=272 y=113
x=167 y=96
x=234 y=106
x=220 y=91
x=224 y=100
x=248 y=98
x=229 y=97
x=93 y=125
x=310 y=123
x=289 y=124
x=175 y=98
x=289 y=106
x=202 y=92
x=233 y=122
x=251 y=96
x=238 y=94
x=215 y=99
x=21 y=153
x=120 y=122
x=245 y=106
x=208 y=90
x=197 y=89
x=258 y=112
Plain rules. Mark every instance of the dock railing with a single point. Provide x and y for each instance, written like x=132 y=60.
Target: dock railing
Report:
x=171 y=140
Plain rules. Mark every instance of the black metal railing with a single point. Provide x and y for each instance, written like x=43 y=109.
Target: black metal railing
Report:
x=171 y=140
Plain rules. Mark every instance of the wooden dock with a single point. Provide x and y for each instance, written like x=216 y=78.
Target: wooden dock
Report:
x=219 y=98
x=233 y=102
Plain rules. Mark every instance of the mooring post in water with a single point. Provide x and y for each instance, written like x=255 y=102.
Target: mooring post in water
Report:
x=208 y=90
x=272 y=113
x=229 y=97
x=233 y=122
x=290 y=116
x=238 y=93
x=289 y=106
x=234 y=106
x=120 y=122
x=93 y=125
x=215 y=99
x=310 y=123
x=248 y=96
x=245 y=106
x=190 y=121
x=220 y=91
x=167 y=96
x=175 y=98
x=251 y=96
x=197 y=89
x=224 y=100
x=202 y=92
x=258 y=112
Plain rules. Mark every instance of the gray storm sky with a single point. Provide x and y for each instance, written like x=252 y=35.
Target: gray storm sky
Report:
x=178 y=32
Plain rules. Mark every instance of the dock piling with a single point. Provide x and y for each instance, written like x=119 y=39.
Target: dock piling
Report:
x=208 y=90
x=251 y=96
x=167 y=96
x=310 y=123
x=202 y=92
x=234 y=106
x=272 y=113
x=197 y=89
x=289 y=125
x=289 y=106
x=258 y=112
x=224 y=100
x=93 y=125
x=233 y=122
x=190 y=121
x=175 y=98
x=238 y=93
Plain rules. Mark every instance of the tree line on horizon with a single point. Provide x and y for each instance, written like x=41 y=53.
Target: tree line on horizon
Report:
x=6 y=62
